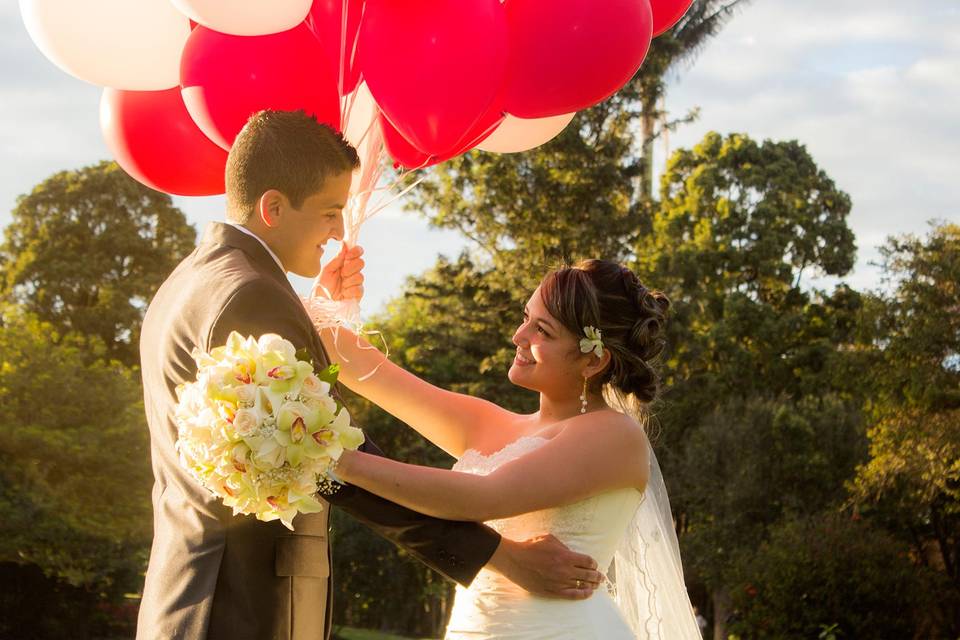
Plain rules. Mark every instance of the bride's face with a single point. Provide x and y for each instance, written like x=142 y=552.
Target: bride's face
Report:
x=548 y=357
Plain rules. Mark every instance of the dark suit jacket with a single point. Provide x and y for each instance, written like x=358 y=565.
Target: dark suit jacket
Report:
x=214 y=575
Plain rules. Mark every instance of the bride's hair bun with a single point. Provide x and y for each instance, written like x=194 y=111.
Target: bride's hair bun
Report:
x=631 y=318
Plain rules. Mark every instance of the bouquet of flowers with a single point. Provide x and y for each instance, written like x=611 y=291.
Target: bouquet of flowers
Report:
x=259 y=428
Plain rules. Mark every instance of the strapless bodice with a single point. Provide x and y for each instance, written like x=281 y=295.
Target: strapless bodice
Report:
x=593 y=526
x=493 y=607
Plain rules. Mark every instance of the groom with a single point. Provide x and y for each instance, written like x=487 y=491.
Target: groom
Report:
x=214 y=575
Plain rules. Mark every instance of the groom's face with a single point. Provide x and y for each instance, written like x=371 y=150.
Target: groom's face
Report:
x=302 y=233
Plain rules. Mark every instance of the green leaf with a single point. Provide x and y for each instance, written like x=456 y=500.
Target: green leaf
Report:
x=330 y=374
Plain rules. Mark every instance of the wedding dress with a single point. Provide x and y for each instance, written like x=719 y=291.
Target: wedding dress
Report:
x=493 y=607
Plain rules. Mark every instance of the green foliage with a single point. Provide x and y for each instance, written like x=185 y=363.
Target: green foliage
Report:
x=87 y=249
x=834 y=575
x=737 y=224
x=454 y=326
x=912 y=480
x=570 y=199
x=35 y=607
x=753 y=462
x=75 y=482
x=741 y=217
x=919 y=324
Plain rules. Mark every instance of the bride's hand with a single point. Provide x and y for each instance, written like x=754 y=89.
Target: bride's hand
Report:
x=342 y=277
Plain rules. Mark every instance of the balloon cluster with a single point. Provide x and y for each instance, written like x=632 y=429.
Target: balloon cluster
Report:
x=439 y=77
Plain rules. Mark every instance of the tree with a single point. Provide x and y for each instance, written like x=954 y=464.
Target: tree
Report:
x=748 y=465
x=912 y=479
x=87 y=249
x=680 y=45
x=737 y=224
x=832 y=572
x=75 y=475
x=569 y=199
x=741 y=217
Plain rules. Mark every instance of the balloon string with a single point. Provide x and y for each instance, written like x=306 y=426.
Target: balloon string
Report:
x=330 y=314
x=343 y=46
x=353 y=49
x=370 y=126
x=399 y=195
x=346 y=108
x=324 y=312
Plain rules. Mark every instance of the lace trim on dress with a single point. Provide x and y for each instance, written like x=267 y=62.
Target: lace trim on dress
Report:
x=472 y=461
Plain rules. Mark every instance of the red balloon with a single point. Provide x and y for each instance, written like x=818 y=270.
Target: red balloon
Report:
x=667 y=13
x=407 y=155
x=399 y=148
x=567 y=55
x=154 y=139
x=226 y=79
x=484 y=128
x=487 y=124
x=338 y=39
x=434 y=66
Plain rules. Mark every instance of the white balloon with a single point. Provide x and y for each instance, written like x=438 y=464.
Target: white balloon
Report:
x=246 y=17
x=124 y=44
x=360 y=115
x=520 y=134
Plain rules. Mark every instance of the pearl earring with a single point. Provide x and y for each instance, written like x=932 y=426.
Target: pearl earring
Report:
x=583 y=398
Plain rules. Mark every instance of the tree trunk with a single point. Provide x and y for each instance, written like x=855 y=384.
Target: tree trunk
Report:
x=721 y=611
x=648 y=121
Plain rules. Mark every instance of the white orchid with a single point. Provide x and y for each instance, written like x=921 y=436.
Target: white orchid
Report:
x=259 y=428
x=593 y=342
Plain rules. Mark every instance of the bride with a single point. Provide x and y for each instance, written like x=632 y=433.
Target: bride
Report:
x=580 y=468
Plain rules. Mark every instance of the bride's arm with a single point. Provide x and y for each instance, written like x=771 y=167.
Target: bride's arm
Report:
x=591 y=455
x=452 y=421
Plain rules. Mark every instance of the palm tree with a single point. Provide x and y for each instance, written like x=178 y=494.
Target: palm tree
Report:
x=680 y=45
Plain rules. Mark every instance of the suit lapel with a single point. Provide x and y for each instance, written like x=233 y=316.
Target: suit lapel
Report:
x=219 y=233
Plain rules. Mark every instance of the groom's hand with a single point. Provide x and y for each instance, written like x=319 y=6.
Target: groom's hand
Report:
x=342 y=277
x=545 y=567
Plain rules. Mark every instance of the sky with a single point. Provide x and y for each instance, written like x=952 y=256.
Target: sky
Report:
x=871 y=88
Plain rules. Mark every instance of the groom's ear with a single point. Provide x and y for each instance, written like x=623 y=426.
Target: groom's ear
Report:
x=270 y=207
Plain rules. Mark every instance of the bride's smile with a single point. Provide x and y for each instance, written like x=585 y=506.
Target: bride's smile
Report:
x=522 y=361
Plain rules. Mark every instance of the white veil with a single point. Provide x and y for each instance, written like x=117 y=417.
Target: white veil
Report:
x=646 y=574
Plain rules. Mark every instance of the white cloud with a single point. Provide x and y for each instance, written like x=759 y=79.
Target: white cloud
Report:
x=871 y=91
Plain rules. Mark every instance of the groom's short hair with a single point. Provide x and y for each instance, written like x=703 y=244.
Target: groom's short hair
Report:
x=289 y=151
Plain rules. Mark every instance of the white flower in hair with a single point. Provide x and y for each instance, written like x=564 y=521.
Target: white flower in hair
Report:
x=593 y=342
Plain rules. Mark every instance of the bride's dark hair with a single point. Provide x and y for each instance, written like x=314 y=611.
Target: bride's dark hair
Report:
x=631 y=319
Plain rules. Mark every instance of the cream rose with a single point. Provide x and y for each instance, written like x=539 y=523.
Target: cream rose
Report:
x=246 y=422
x=314 y=387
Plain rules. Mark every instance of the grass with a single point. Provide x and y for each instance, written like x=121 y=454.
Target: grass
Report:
x=349 y=633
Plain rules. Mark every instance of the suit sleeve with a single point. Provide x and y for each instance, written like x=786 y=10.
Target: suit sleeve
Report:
x=457 y=550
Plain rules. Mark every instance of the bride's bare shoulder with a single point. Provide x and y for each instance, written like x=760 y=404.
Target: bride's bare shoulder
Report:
x=612 y=428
